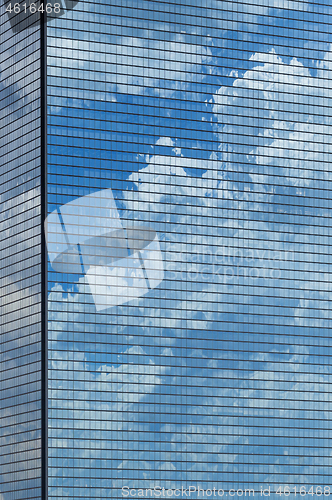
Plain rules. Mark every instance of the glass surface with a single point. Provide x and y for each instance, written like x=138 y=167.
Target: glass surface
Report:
x=20 y=264
x=210 y=122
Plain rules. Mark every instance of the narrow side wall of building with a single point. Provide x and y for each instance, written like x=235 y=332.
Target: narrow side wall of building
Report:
x=20 y=263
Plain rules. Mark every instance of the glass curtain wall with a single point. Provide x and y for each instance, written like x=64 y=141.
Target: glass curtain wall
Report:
x=20 y=262
x=210 y=122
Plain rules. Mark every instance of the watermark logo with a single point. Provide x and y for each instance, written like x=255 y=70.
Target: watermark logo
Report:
x=187 y=492
x=24 y=14
x=228 y=263
x=86 y=236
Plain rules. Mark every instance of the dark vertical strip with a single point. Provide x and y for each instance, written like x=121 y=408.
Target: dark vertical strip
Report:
x=44 y=360
x=145 y=274
x=81 y=258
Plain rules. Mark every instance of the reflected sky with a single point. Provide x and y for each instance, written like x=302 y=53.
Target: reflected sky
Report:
x=217 y=135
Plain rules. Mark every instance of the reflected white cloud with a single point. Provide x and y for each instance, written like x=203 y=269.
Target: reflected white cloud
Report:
x=289 y=127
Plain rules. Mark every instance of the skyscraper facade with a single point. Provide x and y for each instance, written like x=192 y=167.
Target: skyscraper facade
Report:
x=172 y=329
x=20 y=263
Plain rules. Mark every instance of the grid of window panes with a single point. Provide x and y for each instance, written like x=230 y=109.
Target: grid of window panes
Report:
x=210 y=121
x=20 y=264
